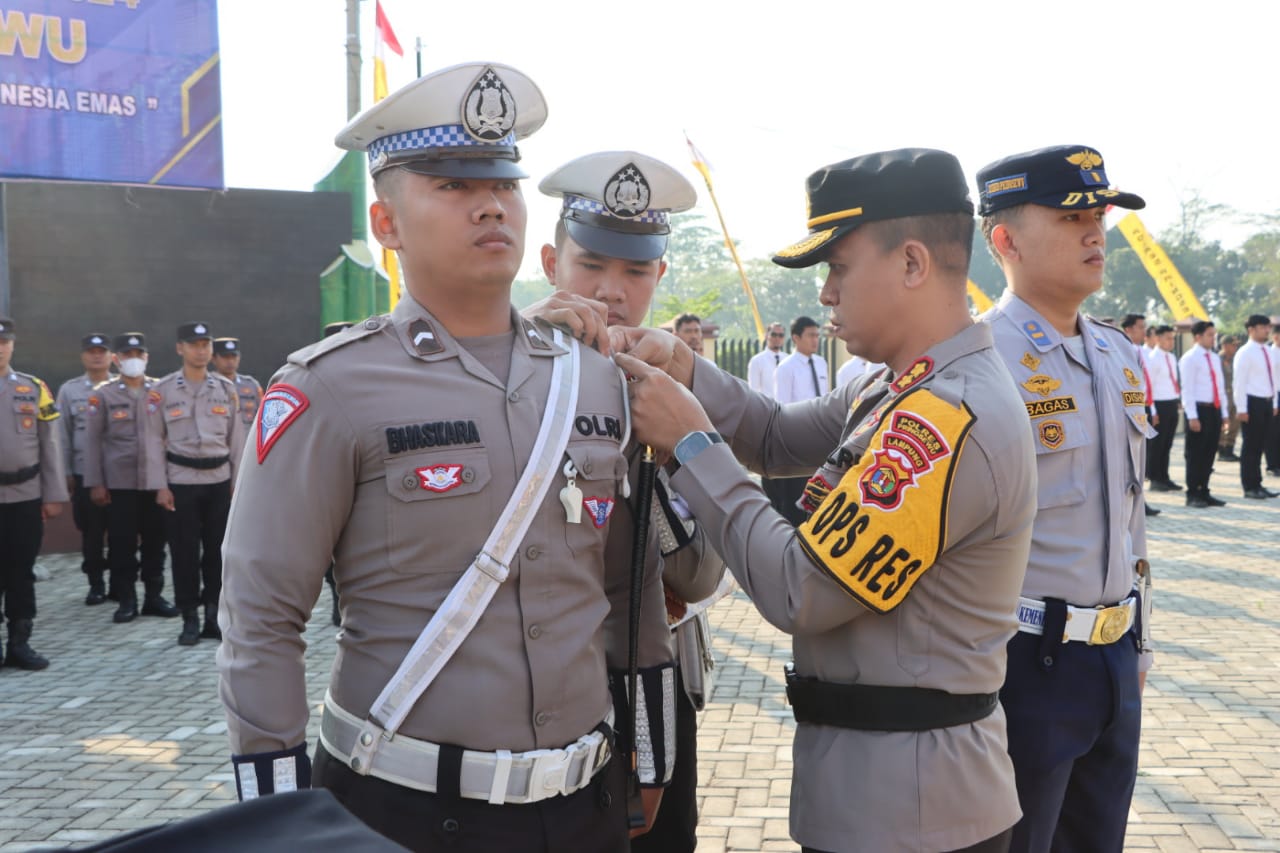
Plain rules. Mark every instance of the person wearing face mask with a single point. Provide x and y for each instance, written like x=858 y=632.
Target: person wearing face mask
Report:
x=90 y=519
x=115 y=477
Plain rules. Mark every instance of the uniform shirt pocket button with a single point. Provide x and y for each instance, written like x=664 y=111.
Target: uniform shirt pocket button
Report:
x=410 y=481
x=541 y=718
x=468 y=475
x=532 y=552
x=534 y=632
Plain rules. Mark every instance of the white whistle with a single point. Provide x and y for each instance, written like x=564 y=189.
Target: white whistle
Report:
x=571 y=495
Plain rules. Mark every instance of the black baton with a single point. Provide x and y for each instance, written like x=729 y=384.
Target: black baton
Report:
x=639 y=550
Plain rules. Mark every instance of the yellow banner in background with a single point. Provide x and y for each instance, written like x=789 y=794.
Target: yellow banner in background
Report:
x=1173 y=287
x=981 y=302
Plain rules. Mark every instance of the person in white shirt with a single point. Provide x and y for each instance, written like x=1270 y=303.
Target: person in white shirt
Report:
x=1162 y=367
x=761 y=368
x=1255 y=397
x=853 y=368
x=1204 y=403
x=801 y=376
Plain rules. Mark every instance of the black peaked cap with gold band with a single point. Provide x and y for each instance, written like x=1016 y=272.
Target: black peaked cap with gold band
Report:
x=872 y=188
x=458 y=122
x=617 y=203
x=1062 y=176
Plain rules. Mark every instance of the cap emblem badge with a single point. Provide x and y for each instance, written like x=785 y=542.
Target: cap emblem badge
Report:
x=627 y=193
x=489 y=111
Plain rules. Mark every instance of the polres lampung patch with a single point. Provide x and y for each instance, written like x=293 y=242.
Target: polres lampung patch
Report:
x=885 y=524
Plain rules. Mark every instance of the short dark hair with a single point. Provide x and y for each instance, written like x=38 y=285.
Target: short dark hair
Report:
x=800 y=324
x=387 y=183
x=1199 y=327
x=1257 y=320
x=1131 y=320
x=948 y=236
x=1001 y=217
x=686 y=318
x=1163 y=329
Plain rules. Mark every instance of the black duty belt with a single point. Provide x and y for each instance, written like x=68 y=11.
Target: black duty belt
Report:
x=883 y=709
x=203 y=463
x=13 y=478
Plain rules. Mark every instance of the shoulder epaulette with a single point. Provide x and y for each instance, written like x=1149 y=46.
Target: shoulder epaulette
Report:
x=311 y=352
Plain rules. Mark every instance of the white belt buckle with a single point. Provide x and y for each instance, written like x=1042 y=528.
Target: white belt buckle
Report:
x=549 y=773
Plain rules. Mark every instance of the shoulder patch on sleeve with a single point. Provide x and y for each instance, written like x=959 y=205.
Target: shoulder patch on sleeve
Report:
x=884 y=525
x=311 y=352
x=47 y=406
x=281 y=406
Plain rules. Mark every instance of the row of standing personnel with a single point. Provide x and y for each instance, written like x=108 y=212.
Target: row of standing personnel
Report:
x=126 y=448
x=967 y=671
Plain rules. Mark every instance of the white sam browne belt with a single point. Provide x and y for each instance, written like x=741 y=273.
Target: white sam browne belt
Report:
x=1097 y=626
x=499 y=777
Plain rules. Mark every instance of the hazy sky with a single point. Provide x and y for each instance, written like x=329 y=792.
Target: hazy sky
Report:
x=1178 y=98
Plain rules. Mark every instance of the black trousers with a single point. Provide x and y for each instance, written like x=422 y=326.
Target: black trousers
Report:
x=593 y=820
x=1158 y=448
x=91 y=521
x=675 y=830
x=135 y=523
x=1255 y=440
x=783 y=492
x=196 y=527
x=995 y=844
x=1200 y=448
x=21 y=529
x=1272 y=446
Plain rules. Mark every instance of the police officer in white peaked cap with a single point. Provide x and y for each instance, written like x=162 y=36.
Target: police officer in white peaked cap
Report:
x=458 y=465
x=606 y=263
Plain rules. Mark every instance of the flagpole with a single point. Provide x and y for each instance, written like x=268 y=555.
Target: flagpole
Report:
x=353 y=58
x=419 y=48
x=704 y=170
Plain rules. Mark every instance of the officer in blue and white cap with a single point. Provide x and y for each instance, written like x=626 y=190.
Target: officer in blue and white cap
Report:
x=1073 y=693
x=610 y=239
x=458 y=465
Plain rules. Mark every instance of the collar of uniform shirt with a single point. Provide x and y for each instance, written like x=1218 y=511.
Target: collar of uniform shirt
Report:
x=970 y=340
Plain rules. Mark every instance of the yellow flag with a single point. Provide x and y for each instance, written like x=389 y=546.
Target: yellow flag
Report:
x=1173 y=287
x=980 y=300
x=384 y=39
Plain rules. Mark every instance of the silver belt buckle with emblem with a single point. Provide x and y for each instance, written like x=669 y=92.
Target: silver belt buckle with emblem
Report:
x=1109 y=625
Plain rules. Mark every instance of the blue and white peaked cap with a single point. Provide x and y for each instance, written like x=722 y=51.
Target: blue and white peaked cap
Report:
x=458 y=122
x=617 y=203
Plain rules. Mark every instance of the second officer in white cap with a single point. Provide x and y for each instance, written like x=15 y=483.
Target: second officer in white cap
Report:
x=459 y=465
x=606 y=263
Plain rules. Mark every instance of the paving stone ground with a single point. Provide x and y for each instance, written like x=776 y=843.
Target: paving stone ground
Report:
x=125 y=730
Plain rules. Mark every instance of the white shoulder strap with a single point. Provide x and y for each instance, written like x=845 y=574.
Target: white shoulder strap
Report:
x=466 y=602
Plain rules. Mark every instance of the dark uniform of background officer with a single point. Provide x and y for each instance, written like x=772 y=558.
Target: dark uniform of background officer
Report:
x=899 y=589
x=116 y=476
x=1074 y=705
x=32 y=488
x=226 y=360
x=194 y=437
x=608 y=248
x=90 y=519
x=395 y=448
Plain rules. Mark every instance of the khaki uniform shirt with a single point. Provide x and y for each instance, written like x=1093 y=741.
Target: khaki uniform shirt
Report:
x=118 y=419
x=249 y=393
x=1088 y=414
x=393 y=449
x=201 y=421
x=29 y=436
x=923 y=510
x=73 y=404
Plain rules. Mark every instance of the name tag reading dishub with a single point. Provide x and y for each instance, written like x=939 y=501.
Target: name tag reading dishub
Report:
x=571 y=495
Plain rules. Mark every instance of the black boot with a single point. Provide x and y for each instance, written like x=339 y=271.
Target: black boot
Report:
x=126 y=612
x=19 y=654
x=211 y=630
x=190 y=628
x=97 y=591
x=156 y=605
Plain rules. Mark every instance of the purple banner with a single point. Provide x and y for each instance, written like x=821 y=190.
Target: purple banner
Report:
x=118 y=91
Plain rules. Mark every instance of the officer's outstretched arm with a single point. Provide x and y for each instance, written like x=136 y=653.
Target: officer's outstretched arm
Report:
x=291 y=502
